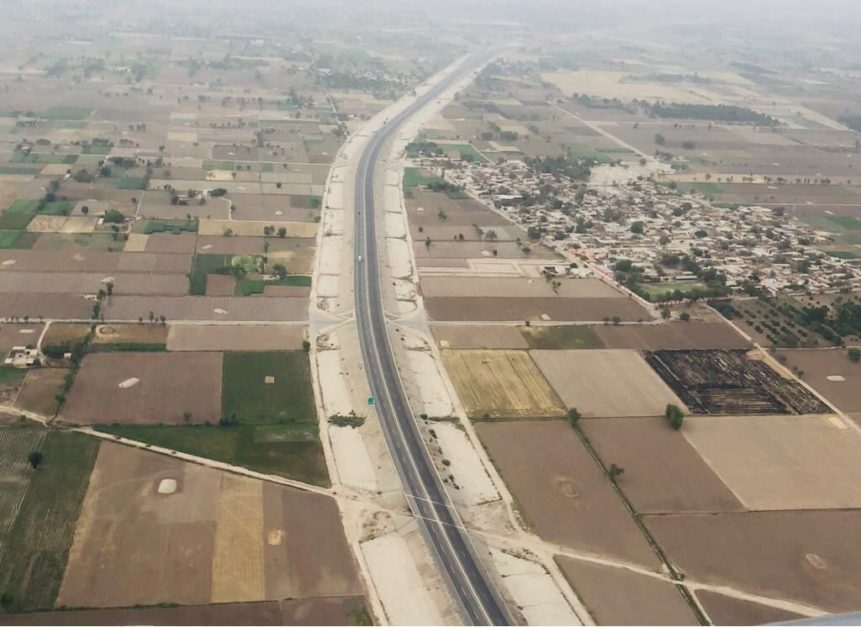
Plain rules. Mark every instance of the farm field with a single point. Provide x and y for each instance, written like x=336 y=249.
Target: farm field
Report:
x=248 y=396
x=672 y=336
x=605 y=383
x=234 y=338
x=146 y=388
x=731 y=382
x=322 y=611
x=490 y=287
x=42 y=533
x=807 y=556
x=18 y=335
x=566 y=498
x=830 y=373
x=152 y=335
x=478 y=336
x=810 y=451
x=556 y=308
x=236 y=534
x=664 y=473
x=723 y=610
x=615 y=596
x=39 y=391
x=267 y=427
x=561 y=337
x=500 y=384
x=16 y=443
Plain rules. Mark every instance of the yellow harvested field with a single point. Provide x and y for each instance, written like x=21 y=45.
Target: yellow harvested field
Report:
x=605 y=382
x=502 y=383
x=255 y=228
x=237 y=560
x=766 y=460
x=46 y=224
x=136 y=243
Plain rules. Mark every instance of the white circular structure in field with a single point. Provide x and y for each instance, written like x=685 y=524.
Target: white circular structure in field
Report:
x=167 y=486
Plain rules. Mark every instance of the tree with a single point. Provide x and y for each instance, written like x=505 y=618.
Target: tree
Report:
x=186 y=416
x=85 y=210
x=615 y=472
x=854 y=355
x=282 y=232
x=674 y=415
x=574 y=416
x=660 y=140
x=306 y=346
x=280 y=270
x=684 y=316
x=35 y=458
x=637 y=228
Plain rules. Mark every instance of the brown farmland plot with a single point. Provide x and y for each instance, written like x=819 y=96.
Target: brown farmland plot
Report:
x=782 y=462
x=146 y=388
x=605 y=382
x=663 y=472
x=810 y=557
x=566 y=497
x=615 y=596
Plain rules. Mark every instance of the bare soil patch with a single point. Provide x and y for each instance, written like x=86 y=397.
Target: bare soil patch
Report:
x=823 y=370
x=782 y=462
x=502 y=383
x=171 y=243
x=235 y=338
x=811 y=557
x=556 y=307
x=723 y=610
x=478 y=336
x=605 y=382
x=222 y=308
x=682 y=335
x=663 y=472
x=492 y=287
x=615 y=596
x=566 y=497
x=169 y=385
x=220 y=284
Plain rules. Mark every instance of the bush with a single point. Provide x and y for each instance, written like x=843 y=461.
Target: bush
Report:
x=674 y=416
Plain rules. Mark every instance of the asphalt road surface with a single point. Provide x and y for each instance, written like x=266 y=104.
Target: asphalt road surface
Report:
x=449 y=542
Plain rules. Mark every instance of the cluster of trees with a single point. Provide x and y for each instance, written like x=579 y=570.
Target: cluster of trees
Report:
x=424 y=148
x=717 y=113
x=577 y=169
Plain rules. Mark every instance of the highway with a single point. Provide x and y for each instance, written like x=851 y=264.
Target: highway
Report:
x=440 y=524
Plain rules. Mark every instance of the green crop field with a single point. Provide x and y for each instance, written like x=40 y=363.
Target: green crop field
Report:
x=251 y=400
x=67 y=113
x=850 y=223
x=413 y=177
x=562 y=337
x=16 y=443
x=292 y=451
x=23 y=206
x=15 y=221
x=31 y=574
x=148 y=227
x=17 y=239
x=467 y=151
